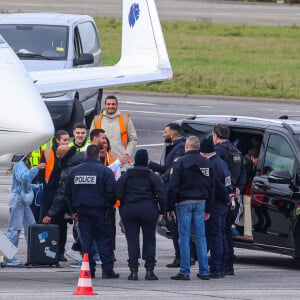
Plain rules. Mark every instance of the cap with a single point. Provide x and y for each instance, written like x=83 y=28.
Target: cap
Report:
x=141 y=158
x=207 y=145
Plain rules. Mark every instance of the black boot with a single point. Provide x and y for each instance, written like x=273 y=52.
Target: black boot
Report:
x=175 y=263
x=133 y=274
x=150 y=274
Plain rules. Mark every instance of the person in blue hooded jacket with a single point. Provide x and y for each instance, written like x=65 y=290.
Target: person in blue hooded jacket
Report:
x=20 y=212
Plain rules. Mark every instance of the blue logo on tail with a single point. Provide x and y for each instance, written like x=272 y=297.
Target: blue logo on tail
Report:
x=134 y=14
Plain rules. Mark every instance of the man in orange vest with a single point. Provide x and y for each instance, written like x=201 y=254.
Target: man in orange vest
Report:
x=50 y=178
x=118 y=128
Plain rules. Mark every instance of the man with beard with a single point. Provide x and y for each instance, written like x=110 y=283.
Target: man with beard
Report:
x=174 y=147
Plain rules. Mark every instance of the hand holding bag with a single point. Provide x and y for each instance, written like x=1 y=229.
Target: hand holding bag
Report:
x=26 y=198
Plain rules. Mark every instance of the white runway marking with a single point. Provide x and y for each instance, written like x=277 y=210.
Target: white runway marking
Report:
x=139 y=103
x=149 y=145
x=156 y=113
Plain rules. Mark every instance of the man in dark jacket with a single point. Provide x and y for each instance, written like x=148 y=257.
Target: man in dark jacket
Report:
x=215 y=226
x=143 y=199
x=68 y=158
x=192 y=188
x=90 y=192
x=174 y=147
x=50 y=178
x=233 y=158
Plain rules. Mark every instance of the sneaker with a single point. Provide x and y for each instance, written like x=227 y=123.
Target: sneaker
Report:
x=76 y=264
x=235 y=232
x=13 y=262
x=75 y=255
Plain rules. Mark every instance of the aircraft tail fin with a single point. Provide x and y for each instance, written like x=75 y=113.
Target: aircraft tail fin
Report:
x=142 y=37
x=144 y=56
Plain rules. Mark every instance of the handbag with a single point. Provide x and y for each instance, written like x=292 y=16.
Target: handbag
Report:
x=26 y=198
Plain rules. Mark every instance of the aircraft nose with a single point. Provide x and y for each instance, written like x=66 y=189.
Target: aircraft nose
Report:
x=25 y=123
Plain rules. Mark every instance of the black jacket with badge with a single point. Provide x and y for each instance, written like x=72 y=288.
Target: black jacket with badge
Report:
x=90 y=185
x=192 y=178
x=223 y=186
x=174 y=150
x=233 y=158
x=71 y=159
x=139 y=185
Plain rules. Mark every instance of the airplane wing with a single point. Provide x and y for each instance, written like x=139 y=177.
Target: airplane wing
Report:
x=144 y=56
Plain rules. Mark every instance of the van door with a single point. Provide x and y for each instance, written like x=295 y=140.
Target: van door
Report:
x=87 y=35
x=272 y=203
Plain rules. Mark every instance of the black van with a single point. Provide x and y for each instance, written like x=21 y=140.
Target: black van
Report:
x=275 y=190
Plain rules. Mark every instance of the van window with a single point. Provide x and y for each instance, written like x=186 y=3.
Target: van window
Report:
x=89 y=38
x=200 y=130
x=279 y=155
x=37 y=41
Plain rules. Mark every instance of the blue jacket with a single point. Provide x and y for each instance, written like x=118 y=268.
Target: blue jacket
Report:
x=90 y=185
x=22 y=173
x=173 y=151
x=223 y=186
x=139 y=185
x=192 y=178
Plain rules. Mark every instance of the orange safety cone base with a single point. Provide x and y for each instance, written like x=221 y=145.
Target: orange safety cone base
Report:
x=84 y=286
x=85 y=292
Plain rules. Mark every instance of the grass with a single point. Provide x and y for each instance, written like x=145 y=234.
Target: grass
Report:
x=221 y=59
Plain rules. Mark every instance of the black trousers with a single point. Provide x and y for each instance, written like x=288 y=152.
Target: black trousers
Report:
x=63 y=228
x=94 y=226
x=138 y=216
x=216 y=238
x=228 y=232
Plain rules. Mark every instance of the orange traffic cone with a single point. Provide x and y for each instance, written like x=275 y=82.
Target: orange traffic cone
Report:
x=84 y=286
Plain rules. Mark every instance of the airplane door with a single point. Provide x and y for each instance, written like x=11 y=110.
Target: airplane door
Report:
x=271 y=203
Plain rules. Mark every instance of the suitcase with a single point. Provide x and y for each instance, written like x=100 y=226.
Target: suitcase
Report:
x=6 y=247
x=43 y=244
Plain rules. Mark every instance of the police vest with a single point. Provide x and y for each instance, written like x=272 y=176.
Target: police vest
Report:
x=50 y=160
x=36 y=154
x=123 y=126
x=80 y=148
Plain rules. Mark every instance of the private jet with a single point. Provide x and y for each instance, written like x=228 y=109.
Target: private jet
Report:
x=25 y=122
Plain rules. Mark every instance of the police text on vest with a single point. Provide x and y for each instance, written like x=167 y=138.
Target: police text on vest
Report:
x=85 y=179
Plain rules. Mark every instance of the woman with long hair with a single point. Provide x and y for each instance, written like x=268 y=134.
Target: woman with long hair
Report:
x=20 y=212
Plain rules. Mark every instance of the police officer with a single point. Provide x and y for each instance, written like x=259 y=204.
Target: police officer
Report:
x=174 y=147
x=90 y=191
x=233 y=158
x=215 y=225
x=140 y=192
x=192 y=188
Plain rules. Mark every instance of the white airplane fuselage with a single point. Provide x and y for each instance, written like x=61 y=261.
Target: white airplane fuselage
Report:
x=25 y=122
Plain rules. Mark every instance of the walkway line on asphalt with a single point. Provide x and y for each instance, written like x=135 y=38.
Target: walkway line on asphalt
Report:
x=155 y=112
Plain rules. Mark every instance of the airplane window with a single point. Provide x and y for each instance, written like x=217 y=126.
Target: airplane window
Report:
x=37 y=41
x=279 y=155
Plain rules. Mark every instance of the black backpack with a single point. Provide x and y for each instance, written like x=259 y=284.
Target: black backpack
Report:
x=234 y=160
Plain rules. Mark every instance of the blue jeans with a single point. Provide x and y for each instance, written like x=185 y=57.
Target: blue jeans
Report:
x=20 y=216
x=192 y=214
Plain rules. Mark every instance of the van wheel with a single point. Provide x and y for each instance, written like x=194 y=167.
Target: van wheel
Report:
x=89 y=119
x=76 y=116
